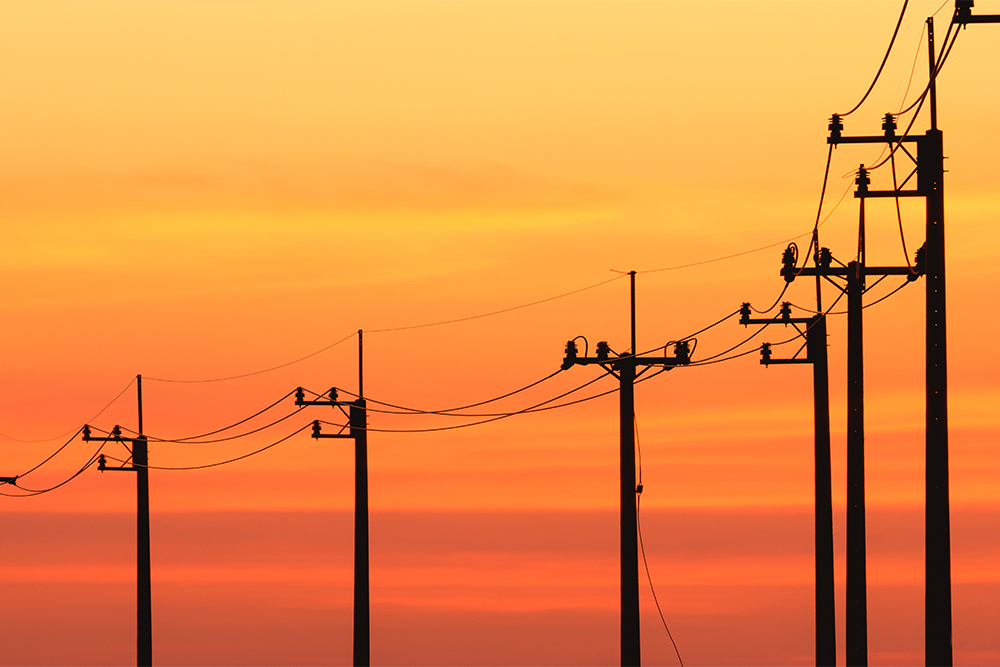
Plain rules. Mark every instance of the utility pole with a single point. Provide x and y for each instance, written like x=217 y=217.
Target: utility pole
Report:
x=623 y=366
x=140 y=466
x=358 y=430
x=816 y=354
x=855 y=274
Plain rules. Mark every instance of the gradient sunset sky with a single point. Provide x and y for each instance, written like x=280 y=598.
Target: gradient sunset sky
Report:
x=195 y=191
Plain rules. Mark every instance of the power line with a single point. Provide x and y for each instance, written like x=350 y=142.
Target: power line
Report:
x=642 y=547
x=38 y=492
x=885 y=58
x=495 y=312
x=448 y=412
x=226 y=439
x=218 y=463
x=63 y=435
x=265 y=370
x=195 y=439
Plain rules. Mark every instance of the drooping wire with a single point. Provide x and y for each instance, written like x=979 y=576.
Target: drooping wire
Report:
x=265 y=370
x=38 y=492
x=495 y=417
x=63 y=435
x=495 y=312
x=193 y=439
x=451 y=411
x=885 y=58
x=899 y=216
x=642 y=547
x=188 y=441
x=218 y=463
x=918 y=103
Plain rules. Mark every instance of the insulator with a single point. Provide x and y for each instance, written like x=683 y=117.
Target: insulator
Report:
x=101 y=462
x=862 y=180
x=682 y=351
x=788 y=262
x=333 y=394
x=889 y=126
x=603 y=350
x=116 y=432
x=316 y=429
x=786 y=310
x=836 y=126
x=300 y=396
x=825 y=258
x=920 y=260
x=570 y=357
x=86 y=432
x=765 y=353
x=744 y=312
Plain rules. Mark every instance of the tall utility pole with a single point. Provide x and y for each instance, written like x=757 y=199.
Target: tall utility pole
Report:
x=623 y=366
x=140 y=466
x=358 y=430
x=930 y=185
x=816 y=354
x=855 y=274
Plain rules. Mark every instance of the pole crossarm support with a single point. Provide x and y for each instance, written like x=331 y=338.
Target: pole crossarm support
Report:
x=317 y=433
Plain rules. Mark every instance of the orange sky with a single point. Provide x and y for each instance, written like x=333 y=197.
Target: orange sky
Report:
x=200 y=190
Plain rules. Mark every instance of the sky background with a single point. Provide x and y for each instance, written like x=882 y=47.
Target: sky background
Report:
x=202 y=190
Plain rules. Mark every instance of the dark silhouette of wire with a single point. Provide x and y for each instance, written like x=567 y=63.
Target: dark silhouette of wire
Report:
x=38 y=492
x=63 y=435
x=493 y=418
x=919 y=102
x=642 y=547
x=495 y=312
x=450 y=411
x=219 y=463
x=190 y=439
x=884 y=60
x=265 y=370
x=776 y=301
x=899 y=217
x=226 y=439
x=52 y=455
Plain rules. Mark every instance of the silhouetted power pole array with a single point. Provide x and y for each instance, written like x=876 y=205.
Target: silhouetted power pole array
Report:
x=624 y=367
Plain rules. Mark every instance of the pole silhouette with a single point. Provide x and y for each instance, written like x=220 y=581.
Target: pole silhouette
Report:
x=624 y=367
x=357 y=429
x=816 y=354
x=140 y=466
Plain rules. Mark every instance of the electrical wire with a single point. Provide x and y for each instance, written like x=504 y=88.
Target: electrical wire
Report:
x=885 y=58
x=265 y=370
x=217 y=463
x=226 y=439
x=63 y=435
x=642 y=547
x=52 y=455
x=492 y=418
x=495 y=312
x=38 y=492
x=918 y=103
x=450 y=411
x=193 y=438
